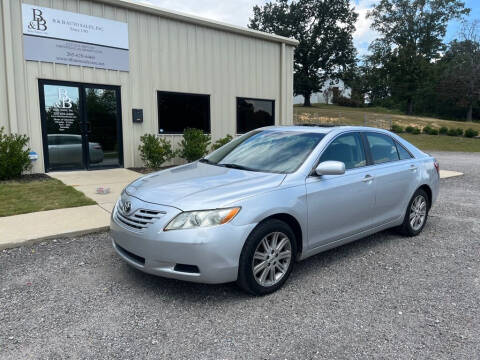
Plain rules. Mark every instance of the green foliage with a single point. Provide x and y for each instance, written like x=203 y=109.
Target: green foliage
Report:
x=452 y=132
x=194 y=144
x=416 y=131
x=443 y=130
x=397 y=129
x=324 y=29
x=14 y=153
x=155 y=151
x=409 y=129
x=433 y=132
x=470 y=133
x=427 y=129
x=459 y=131
x=403 y=60
x=222 y=141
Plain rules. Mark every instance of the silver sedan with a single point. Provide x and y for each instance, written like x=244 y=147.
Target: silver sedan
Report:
x=249 y=210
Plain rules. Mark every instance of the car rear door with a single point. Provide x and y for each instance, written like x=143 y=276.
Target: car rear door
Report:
x=340 y=205
x=394 y=172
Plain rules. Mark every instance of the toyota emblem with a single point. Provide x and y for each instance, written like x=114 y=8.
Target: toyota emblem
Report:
x=126 y=207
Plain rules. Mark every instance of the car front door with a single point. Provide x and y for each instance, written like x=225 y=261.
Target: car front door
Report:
x=341 y=205
x=394 y=177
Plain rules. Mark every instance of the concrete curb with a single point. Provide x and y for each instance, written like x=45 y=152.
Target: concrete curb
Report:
x=15 y=244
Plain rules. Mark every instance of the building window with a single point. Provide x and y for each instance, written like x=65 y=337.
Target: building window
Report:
x=178 y=111
x=254 y=113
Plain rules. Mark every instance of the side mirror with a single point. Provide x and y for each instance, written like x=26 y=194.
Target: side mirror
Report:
x=330 y=168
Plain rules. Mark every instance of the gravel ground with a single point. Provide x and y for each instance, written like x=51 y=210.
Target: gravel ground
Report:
x=382 y=297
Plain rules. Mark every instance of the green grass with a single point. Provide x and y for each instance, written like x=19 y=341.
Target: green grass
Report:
x=25 y=196
x=376 y=116
x=383 y=118
x=443 y=142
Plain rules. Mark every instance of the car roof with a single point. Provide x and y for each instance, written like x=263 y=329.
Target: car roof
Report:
x=322 y=129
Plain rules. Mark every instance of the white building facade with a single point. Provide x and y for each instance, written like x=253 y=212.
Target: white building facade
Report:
x=84 y=79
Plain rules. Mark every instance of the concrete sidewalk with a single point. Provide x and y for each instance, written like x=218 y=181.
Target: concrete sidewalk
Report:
x=28 y=228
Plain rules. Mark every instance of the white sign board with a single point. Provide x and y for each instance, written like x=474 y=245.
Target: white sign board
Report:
x=65 y=37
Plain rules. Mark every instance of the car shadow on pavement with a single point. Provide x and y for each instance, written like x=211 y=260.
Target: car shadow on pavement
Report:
x=194 y=292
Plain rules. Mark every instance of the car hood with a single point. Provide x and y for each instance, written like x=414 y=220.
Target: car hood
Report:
x=201 y=186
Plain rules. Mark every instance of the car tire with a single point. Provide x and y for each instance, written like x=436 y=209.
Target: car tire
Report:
x=263 y=267
x=416 y=214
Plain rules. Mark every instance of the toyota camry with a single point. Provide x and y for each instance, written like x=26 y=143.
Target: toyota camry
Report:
x=274 y=196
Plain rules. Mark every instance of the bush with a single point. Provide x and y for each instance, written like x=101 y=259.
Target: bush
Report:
x=222 y=141
x=452 y=132
x=416 y=131
x=341 y=100
x=443 y=130
x=397 y=128
x=155 y=151
x=409 y=129
x=433 y=132
x=194 y=144
x=459 y=131
x=470 y=133
x=427 y=129
x=14 y=153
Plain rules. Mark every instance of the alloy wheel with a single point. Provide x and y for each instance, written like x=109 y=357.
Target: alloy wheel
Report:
x=272 y=258
x=418 y=212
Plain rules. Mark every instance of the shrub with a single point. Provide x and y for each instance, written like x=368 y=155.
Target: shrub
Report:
x=14 y=153
x=222 y=141
x=433 y=132
x=416 y=131
x=427 y=129
x=409 y=129
x=470 y=133
x=155 y=151
x=459 y=131
x=443 y=130
x=194 y=144
x=452 y=132
x=397 y=128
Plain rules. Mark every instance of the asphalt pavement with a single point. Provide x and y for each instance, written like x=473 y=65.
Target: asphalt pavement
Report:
x=384 y=296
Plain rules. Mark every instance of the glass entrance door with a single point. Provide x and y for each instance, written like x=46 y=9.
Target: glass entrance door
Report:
x=81 y=125
x=102 y=121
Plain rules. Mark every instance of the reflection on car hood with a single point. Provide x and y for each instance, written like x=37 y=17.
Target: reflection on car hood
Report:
x=201 y=186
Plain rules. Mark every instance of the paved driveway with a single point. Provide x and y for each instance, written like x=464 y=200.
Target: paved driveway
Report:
x=382 y=297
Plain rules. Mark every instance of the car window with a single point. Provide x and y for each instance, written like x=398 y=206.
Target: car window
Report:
x=402 y=152
x=347 y=148
x=382 y=148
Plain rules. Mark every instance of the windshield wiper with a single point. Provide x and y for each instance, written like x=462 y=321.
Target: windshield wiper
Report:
x=206 y=161
x=236 y=166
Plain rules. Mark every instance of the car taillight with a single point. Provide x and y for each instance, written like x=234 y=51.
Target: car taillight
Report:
x=437 y=167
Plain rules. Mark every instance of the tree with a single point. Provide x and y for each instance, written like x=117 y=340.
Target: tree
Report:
x=411 y=39
x=461 y=79
x=324 y=29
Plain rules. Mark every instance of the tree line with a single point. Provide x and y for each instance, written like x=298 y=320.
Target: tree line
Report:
x=409 y=66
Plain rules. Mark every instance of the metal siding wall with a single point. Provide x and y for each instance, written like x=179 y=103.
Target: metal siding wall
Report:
x=167 y=55
x=3 y=79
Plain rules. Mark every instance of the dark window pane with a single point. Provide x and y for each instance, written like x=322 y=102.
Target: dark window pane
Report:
x=382 y=147
x=404 y=154
x=348 y=149
x=253 y=114
x=178 y=111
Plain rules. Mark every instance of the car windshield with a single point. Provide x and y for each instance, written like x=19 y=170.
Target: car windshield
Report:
x=267 y=151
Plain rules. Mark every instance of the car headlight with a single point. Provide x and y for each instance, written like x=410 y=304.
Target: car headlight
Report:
x=204 y=218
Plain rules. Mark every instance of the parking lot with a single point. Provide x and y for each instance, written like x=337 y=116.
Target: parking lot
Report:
x=381 y=297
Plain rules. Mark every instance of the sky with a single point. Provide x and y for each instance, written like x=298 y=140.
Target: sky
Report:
x=237 y=12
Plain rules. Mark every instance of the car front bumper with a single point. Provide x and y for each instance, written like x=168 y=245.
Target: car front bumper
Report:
x=212 y=252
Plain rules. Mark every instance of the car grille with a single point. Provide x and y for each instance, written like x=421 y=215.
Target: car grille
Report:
x=140 y=219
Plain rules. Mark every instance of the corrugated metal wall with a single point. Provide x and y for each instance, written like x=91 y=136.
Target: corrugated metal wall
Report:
x=165 y=54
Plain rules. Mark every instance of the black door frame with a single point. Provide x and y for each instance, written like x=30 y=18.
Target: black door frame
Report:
x=83 y=121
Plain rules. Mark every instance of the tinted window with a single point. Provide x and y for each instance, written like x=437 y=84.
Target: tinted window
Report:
x=253 y=114
x=402 y=152
x=382 y=147
x=348 y=149
x=178 y=111
x=267 y=151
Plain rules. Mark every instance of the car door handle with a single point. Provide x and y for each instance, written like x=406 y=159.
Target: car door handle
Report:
x=367 y=178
